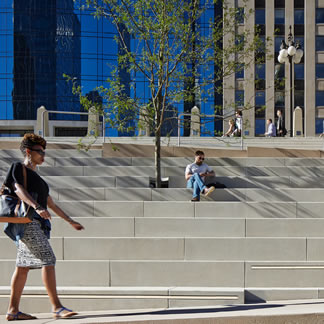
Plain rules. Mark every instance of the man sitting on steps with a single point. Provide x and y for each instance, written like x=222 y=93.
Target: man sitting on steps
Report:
x=195 y=175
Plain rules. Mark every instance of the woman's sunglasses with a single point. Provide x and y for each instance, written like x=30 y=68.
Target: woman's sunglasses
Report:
x=39 y=151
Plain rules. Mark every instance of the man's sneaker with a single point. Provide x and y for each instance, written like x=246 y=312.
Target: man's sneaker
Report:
x=195 y=199
x=208 y=191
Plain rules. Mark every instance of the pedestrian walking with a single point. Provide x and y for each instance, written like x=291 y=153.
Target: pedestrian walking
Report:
x=32 y=239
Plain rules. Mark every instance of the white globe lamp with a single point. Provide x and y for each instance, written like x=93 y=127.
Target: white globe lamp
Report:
x=291 y=50
x=283 y=52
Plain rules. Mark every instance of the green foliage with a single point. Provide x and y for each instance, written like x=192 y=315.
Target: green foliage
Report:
x=171 y=54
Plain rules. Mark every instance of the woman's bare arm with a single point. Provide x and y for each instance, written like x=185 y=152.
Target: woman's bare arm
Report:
x=59 y=212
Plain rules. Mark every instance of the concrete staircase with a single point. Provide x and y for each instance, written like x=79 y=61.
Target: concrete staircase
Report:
x=259 y=239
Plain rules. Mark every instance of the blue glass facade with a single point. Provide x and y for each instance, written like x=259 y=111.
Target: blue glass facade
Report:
x=40 y=40
x=6 y=59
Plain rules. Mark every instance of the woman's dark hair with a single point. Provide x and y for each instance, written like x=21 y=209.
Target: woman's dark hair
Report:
x=31 y=140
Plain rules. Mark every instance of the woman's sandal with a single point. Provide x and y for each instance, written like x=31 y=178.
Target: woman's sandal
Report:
x=19 y=317
x=69 y=313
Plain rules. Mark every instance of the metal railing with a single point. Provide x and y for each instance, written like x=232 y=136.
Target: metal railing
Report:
x=69 y=113
x=202 y=115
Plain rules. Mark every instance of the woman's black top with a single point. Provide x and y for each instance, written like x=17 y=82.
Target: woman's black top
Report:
x=37 y=188
x=35 y=184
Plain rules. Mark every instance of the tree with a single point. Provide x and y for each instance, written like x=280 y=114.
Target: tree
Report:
x=161 y=42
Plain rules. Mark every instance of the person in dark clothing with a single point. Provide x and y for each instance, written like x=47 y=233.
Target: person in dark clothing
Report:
x=33 y=247
x=281 y=129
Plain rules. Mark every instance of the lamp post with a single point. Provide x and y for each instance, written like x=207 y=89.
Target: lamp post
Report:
x=291 y=53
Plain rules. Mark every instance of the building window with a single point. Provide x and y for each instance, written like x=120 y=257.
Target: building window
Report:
x=319 y=43
x=300 y=40
x=239 y=98
x=279 y=29
x=259 y=16
x=239 y=15
x=320 y=71
x=239 y=41
x=319 y=125
x=279 y=76
x=319 y=15
x=299 y=98
x=259 y=126
x=299 y=17
x=259 y=98
x=279 y=71
x=279 y=98
x=260 y=71
x=299 y=71
x=278 y=41
x=239 y=71
x=279 y=16
x=279 y=3
x=319 y=98
x=298 y=3
x=259 y=3
x=260 y=76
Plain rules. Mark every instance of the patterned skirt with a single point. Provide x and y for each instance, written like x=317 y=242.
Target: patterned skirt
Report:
x=34 y=249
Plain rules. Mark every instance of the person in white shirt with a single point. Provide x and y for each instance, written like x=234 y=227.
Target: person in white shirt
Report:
x=238 y=123
x=272 y=132
x=196 y=174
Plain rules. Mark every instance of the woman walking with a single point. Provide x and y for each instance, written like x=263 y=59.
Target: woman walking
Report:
x=33 y=248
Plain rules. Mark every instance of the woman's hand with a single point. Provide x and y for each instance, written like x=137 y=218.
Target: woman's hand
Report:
x=43 y=213
x=77 y=226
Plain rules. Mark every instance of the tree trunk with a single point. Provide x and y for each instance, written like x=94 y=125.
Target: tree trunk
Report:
x=157 y=156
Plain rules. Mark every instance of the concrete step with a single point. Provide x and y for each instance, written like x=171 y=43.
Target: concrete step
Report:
x=151 y=227
x=220 y=171
x=310 y=228
x=214 y=249
x=296 y=274
x=85 y=159
x=187 y=209
x=143 y=181
x=114 y=298
x=97 y=181
x=281 y=248
x=68 y=273
x=191 y=227
x=255 y=182
x=183 y=194
x=145 y=227
x=229 y=274
x=267 y=294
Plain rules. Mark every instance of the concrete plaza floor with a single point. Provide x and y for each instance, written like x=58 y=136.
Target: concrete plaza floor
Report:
x=285 y=312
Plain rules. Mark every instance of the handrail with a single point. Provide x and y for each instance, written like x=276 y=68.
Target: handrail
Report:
x=69 y=113
x=202 y=115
